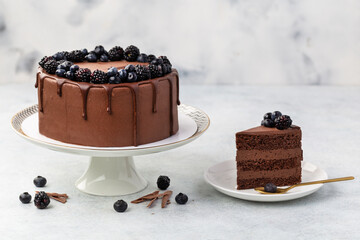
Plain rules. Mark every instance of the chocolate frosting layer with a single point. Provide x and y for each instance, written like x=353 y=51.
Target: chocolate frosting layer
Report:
x=244 y=155
x=282 y=173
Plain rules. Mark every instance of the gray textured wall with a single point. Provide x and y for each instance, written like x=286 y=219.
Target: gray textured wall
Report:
x=253 y=42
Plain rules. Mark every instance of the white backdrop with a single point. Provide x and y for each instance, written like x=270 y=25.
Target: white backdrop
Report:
x=267 y=42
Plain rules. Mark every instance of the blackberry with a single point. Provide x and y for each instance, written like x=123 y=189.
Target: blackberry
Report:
x=283 y=122
x=41 y=200
x=61 y=62
x=66 y=55
x=116 y=53
x=131 y=53
x=151 y=57
x=98 y=77
x=40 y=181
x=120 y=206
x=270 y=187
x=75 y=56
x=50 y=66
x=25 y=197
x=165 y=60
x=181 y=198
x=142 y=72
x=44 y=60
x=83 y=75
x=163 y=182
x=155 y=71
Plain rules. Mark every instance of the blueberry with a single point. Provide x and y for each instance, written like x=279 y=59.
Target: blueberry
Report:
x=70 y=75
x=91 y=57
x=112 y=71
x=60 y=72
x=151 y=57
x=269 y=123
x=84 y=51
x=163 y=182
x=270 y=187
x=275 y=115
x=114 y=80
x=123 y=74
x=99 y=50
x=40 y=181
x=120 y=206
x=58 y=56
x=130 y=68
x=157 y=61
x=104 y=58
x=267 y=115
x=25 y=197
x=131 y=77
x=142 y=58
x=262 y=122
x=181 y=198
x=74 y=68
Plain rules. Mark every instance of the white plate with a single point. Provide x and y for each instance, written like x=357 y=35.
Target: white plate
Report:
x=222 y=177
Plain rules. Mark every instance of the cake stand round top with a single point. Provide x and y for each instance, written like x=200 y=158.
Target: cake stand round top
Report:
x=199 y=117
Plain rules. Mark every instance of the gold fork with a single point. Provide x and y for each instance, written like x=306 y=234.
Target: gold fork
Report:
x=284 y=190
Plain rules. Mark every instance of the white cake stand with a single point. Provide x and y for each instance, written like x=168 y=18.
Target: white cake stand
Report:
x=111 y=171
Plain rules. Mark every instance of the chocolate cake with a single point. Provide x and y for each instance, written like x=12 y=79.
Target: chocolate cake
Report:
x=268 y=155
x=107 y=99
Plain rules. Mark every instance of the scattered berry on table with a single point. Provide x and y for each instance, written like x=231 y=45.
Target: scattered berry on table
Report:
x=283 y=122
x=116 y=53
x=40 y=181
x=269 y=123
x=131 y=53
x=181 y=198
x=270 y=187
x=83 y=75
x=25 y=197
x=163 y=182
x=41 y=200
x=98 y=77
x=275 y=115
x=120 y=206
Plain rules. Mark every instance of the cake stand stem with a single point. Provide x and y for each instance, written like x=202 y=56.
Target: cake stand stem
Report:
x=111 y=176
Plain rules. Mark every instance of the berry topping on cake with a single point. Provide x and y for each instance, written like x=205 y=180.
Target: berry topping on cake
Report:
x=70 y=75
x=163 y=182
x=58 y=56
x=98 y=77
x=283 y=122
x=270 y=187
x=60 y=72
x=142 y=58
x=151 y=57
x=269 y=123
x=130 y=68
x=267 y=115
x=75 y=56
x=142 y=72
x=40 y=181
x=123 y=74
x=50 y=66
x=25 y=197
x=181 y=198
x=165 y=60
x=120 y=206
x=116 y=53
x=155 y=71
x=65 y=65
x=74 y=68
x=131 y=53
x=114 y=80
x=166 y=68
x=104 y=58
x=91 y=57
x=112 y=72
x=83 y=75
x=275 y=115
x=84 y=52
x=157 y=61
x=131 y=77
x=44 y=60
x=41 y=200
x=99 y=50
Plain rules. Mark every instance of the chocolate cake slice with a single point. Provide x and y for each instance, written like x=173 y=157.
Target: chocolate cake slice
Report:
x=268 y=155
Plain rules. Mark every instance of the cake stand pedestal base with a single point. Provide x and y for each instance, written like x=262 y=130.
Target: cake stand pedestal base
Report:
x=111 y=176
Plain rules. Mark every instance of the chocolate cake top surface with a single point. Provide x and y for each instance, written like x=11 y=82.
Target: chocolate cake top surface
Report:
x=261 y=130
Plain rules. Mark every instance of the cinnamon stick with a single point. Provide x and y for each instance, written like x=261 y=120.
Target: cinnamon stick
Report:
x=147 y=197
x=165 y=199
x=58 y=197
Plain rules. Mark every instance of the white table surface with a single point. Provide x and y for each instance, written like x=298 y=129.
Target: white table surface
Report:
x=330 y=121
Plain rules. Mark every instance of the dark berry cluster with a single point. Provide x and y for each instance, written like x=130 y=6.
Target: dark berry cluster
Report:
x=62 y=64
x=276 y=119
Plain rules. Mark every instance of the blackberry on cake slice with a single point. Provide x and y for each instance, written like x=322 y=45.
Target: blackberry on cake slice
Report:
x=131 y=53
x=142 y=72
x=98 y=77
x=44 y=60
x=83 y=75
x=155 y=71
x=116 y=53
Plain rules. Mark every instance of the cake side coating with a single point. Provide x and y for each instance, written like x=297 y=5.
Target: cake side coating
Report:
x=108 y=115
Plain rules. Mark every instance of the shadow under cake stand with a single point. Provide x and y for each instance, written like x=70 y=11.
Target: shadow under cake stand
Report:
x=111 y=171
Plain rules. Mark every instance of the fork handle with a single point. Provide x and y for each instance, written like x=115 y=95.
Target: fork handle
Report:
x=325 y=181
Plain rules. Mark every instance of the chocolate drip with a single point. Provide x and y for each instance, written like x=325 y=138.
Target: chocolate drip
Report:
x=133 y=87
